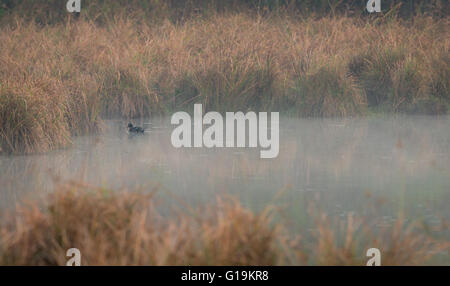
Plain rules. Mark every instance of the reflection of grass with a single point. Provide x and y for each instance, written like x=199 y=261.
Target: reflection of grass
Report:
x=124 y=228
x=61 y=79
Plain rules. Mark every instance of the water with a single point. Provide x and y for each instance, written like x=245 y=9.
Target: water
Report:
x=344 y=164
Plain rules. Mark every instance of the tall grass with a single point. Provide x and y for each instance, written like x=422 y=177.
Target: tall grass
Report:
x=328 y=92
x=306 y=66
x=54 y=11
x=126 y=228
x=113 y=228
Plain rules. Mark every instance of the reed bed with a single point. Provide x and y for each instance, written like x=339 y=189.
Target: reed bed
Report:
x=126 y=228
x=63 y=79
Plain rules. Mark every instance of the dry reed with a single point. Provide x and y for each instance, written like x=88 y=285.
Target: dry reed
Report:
x=62 y=79
x=126 y=228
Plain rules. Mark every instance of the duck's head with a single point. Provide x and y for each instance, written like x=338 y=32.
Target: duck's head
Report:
x=130 y=125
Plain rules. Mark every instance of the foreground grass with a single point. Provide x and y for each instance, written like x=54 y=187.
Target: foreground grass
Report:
x=61 y=80
x=125 y=228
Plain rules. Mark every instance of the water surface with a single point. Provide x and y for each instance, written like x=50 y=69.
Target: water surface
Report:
x=403 y=161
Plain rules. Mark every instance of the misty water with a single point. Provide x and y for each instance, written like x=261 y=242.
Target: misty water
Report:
x=400 y=162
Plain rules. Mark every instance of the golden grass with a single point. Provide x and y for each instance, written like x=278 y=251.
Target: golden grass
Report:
x=28 y=113
x=126 y=228
x=330 y=66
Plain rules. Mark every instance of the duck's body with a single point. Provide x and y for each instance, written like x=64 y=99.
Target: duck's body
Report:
x=135 y=129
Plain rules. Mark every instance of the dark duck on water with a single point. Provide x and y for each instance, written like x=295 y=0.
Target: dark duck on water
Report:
x=135 y=129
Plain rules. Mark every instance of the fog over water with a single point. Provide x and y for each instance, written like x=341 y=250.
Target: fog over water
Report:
x=343 y=163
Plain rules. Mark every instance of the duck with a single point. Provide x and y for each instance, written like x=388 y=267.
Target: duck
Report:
x=135 y=129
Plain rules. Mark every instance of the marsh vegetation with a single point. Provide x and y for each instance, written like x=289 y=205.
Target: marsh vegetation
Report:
x=364 y=140
x=122 y=228
x=62 y=77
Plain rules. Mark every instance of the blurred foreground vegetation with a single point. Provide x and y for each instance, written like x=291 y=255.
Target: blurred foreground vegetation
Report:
x=126 y=228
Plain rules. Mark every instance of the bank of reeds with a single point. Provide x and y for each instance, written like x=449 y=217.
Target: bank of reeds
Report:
x=126 y=228
x=54 y=11
x=60 y=80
